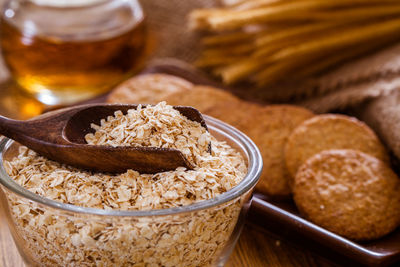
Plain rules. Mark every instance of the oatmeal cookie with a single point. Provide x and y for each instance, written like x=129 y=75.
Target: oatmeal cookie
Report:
x=202 y=98
x=270 y=129
x=349 y=193
x=219 y=104
x=148 y=89
x=236 y=113
x=330 y=131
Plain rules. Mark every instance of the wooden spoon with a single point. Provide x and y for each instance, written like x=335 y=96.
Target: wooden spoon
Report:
x=59 y=135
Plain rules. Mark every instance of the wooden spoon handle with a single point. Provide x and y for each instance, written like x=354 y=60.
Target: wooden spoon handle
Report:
x=11 y=128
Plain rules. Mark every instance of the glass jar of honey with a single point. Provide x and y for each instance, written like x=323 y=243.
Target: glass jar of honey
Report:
x=64 y=51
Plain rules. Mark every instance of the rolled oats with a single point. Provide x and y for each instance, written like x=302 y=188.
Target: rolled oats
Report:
x=58 y=238
x=155 y=126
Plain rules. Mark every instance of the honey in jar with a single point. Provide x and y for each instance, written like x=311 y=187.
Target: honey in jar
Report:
x=63 y=54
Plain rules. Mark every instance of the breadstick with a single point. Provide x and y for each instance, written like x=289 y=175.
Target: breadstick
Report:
x=335 y=41
x=236 y=19
x=246 y=5
x=267 y=40
x=336 y=58
x=235 y=72
x=206 y=62
x=234 y=50
x=220 y=19
x=356 y=14
x=229 y=38
x=308 y=53
x=292 y=32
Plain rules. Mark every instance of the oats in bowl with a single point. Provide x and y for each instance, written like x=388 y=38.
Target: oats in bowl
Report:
x=63 y=216
x=153 y=126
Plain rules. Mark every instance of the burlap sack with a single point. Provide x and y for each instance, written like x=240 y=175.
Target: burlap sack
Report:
x=383 y=115
x=167 y=20
x=357 y=81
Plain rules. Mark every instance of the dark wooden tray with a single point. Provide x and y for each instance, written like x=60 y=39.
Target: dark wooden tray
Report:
x=282 y=218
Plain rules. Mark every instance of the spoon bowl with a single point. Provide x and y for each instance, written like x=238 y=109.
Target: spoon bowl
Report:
x=60 y=135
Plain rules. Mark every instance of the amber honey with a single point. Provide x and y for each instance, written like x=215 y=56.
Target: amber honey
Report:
x=62 y=70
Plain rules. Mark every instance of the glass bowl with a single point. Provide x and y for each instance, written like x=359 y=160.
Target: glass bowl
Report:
x=50 y=233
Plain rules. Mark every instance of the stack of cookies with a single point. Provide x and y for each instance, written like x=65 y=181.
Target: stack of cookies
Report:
x=334 y=166
x=341 y=179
